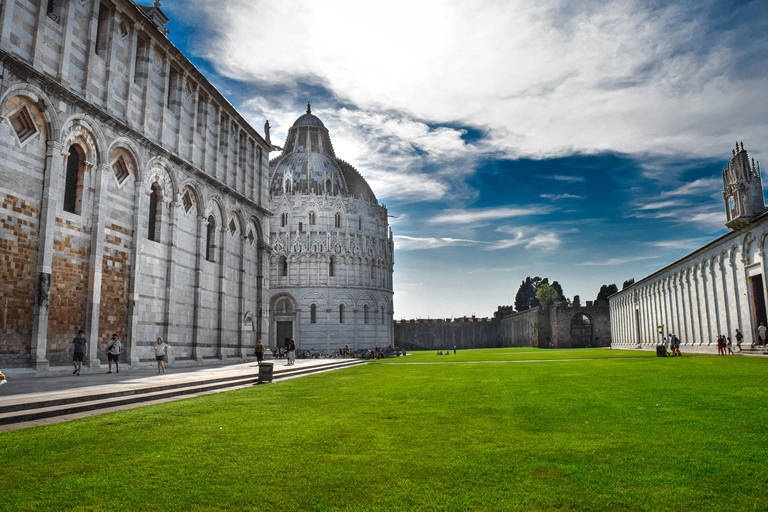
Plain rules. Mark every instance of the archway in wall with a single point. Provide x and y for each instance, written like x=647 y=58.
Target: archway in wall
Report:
x=284 y=317
x=581 y=331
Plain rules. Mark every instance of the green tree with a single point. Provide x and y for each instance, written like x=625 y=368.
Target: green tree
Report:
x=606 y=291
x=628 y=282
x=526 y=297
x=546 y=294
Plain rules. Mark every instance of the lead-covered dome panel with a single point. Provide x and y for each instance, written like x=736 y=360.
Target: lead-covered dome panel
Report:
x=309 y=164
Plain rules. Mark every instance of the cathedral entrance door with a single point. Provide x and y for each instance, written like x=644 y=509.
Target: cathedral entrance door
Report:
x=758 y=300
x=284 y=333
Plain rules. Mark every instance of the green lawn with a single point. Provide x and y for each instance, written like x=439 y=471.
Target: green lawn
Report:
x=640 y=433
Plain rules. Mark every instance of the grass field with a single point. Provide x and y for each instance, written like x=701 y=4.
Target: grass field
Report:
x=607 y=430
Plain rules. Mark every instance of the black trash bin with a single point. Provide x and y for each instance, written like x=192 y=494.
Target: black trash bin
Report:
x=661 y=351
x=265 y=372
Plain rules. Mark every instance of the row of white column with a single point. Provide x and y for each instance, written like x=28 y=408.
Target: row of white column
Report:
x=697 y=303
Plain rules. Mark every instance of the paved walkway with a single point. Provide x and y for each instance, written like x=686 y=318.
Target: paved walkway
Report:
x=61 y=384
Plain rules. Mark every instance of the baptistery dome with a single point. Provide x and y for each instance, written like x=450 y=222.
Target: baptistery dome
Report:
x=332 y=252
x=309 y=165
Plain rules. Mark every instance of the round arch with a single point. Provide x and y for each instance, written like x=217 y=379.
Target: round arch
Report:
x=581 y=330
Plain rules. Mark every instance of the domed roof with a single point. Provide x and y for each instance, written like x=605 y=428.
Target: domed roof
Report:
x=309 y=119
x=309 y=165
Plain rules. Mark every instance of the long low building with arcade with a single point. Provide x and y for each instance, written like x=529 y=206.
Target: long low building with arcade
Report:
x=715 y=290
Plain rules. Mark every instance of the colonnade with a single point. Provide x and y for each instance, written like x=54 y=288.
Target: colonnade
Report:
x=698 y=298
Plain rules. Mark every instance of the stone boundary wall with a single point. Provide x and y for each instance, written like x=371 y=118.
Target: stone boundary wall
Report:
x=439 y=334
x=537 y=327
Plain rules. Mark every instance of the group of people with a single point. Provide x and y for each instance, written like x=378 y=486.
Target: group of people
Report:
x=674 y=345
x=80 y=348
x=724 y=343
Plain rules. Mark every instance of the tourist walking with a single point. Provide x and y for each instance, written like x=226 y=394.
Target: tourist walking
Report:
x=78 y=354
x=676 y=345
x=346 y=351
x=259 y=352
x=739 y=337
x=160 y=350
x=113 y=353
x=291 y=352
x=454 y=350
x=761 y=333
x=728 y=346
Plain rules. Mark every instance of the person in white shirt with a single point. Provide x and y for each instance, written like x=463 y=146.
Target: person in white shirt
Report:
x=160 y=350
x=761 y=333
x=113 y=353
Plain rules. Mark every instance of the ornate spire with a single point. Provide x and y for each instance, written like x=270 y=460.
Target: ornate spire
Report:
x=309 y=108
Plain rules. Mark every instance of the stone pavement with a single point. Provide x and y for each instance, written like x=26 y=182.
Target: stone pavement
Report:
x=28 y=401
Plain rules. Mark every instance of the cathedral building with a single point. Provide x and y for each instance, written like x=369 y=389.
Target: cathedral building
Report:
x=136 y=200
x=332 y=261
x=717 y=289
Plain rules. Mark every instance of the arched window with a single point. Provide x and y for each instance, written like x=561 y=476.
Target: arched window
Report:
x=73 y=187
x=342 y=309
x=338 y=220
x=210 y=244
x=382 y=315
x=360 y=223
x=284 y=219
x=313 y=313
x=283 y=266
x=311 y=218
x=366 y=317
x=328 y=187
x=155 y=212
x=331 y=267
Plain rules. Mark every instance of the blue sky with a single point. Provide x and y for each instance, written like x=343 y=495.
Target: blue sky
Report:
x=581 y=141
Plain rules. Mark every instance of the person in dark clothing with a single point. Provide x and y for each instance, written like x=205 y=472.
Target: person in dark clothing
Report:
x=259 y=352
x=78 y=354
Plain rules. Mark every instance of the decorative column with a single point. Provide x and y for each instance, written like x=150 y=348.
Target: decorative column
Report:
x=55 y=159
x=716 y=301
x=724 y=277
x=133 y=295
x=202 y=225
x=66 y=43
x=170 y=275
x=222 y=292
x=111 y=67
x=131 y=73
x=93 y=23
x=6 y=24
x=95 y=266
x=241 y=350
x=701 y=272
x=147 y=81
x=164 y=99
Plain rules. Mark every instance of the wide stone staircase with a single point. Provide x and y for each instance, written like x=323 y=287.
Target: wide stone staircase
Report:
x=34 y=408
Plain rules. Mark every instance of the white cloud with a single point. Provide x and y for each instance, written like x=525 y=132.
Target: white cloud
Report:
x=660 y=205
x=409 y=243
x=546 y=79
x=697 y=188
x=560 y=177
x=557 y=197
x=487 y=214
x=683 y=243
x=616 y=261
